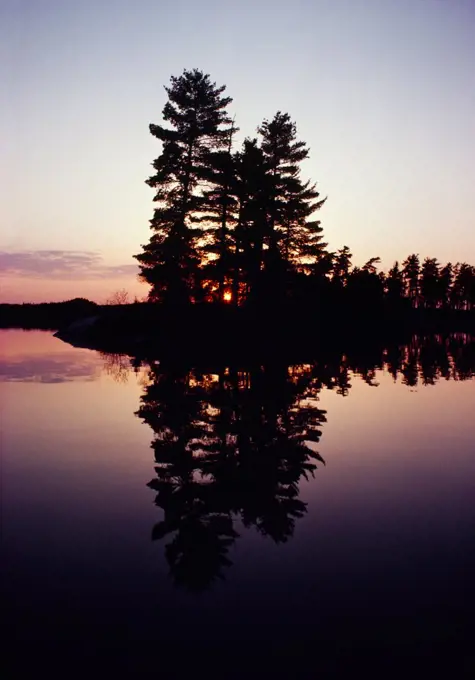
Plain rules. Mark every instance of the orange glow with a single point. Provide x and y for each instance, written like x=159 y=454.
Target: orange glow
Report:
x=227 y=297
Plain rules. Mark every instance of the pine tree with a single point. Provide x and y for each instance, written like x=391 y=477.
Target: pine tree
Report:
x=323 y=266
x=342 y=265
x=292 y=236
x=394 y=283
x=365 y=286
x=463 y=288
x=252 y=193
x=370 y=265
x=429 y=282
x=196 y=112
x=410 y=271
x=445 y=284
x=219 y=218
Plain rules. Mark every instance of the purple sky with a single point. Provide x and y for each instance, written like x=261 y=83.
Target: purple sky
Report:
x=383 y=91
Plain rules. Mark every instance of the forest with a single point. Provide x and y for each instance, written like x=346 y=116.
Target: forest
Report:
x=240 y=226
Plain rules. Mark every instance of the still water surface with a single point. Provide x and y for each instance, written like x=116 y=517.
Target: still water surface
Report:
x=156 y=510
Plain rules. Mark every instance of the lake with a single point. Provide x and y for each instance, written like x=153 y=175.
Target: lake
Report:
x=158 y=516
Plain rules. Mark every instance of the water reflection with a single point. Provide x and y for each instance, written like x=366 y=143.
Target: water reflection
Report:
x=232 y=444
x=117 y=366
x=38 y=357
x=50 y=369
x=228 y=445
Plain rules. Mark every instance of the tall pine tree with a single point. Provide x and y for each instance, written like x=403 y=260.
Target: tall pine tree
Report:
x=429 y=282
x=250 y=231
x=411 y=269
x=199 y=124
x=219 y=219
x=293 y=236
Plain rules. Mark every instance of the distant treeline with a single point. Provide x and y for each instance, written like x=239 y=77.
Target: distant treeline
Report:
x=203 y=330
x=240 y=227
x=46 y=315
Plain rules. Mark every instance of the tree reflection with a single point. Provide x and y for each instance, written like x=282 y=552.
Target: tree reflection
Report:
x=228 y=445
x=116 y=366
x=232 y=444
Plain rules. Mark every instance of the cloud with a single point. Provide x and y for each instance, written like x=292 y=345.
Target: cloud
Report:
x=61 y=264
x=54 y=368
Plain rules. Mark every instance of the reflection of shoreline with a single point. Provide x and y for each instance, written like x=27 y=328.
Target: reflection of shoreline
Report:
x=423 y=360
x=232 y=443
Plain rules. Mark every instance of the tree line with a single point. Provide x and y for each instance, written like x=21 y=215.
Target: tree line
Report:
x=240 y=226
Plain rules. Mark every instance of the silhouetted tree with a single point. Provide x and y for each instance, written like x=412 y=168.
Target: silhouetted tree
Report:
x=394 y=283
x=365 y=288
x=196 y=111
x=445 y=284
x=241 y=227
x=342 y=265
x=410 y=272
x=370 y=265
x=429 y=282
x=219 y=218
x=251 y=228
x=323 y=266
x=292 y=237
x=119 y=297
x=463 y=288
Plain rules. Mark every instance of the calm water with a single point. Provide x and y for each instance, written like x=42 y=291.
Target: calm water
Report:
x=159 y=515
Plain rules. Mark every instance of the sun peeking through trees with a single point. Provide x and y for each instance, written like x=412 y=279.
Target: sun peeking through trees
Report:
x=228 y=224
x=239 y=226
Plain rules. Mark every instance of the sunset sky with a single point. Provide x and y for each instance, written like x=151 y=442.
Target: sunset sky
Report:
x=383 y=91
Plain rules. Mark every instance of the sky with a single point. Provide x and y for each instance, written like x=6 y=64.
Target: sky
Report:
x=382 y=91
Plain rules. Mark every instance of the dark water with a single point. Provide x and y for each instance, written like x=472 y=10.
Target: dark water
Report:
x=277 y=520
